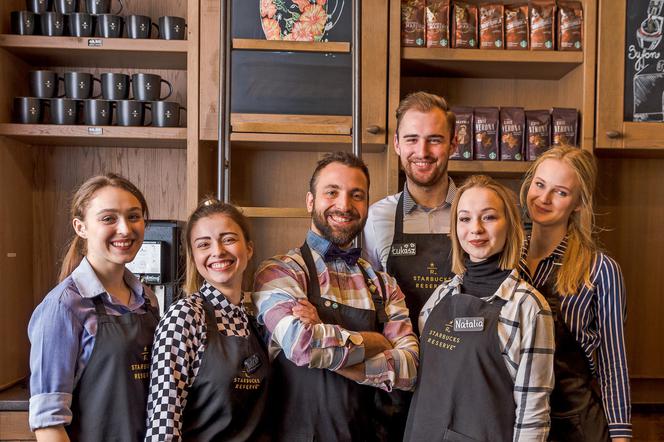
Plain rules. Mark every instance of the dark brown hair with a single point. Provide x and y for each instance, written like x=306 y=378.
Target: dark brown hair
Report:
x=345 y=158
x=208 y=207
x=425 y=102
x=80 y=202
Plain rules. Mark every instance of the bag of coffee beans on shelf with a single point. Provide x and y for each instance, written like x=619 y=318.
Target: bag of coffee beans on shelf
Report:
x=412 y=23
x=538 y=133
x=438 y=23
x=565 y=127
x=570 y=26
x=486 y=133
x=463 y=131
x=542 y=17
x=512 y=133
x=464 y=33
x=516 y=27
x=491 y=26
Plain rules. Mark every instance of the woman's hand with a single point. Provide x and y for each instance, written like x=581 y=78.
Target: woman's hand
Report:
x=306 y=312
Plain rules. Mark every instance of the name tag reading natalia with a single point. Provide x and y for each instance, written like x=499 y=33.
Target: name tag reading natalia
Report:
x=407 y=249
x=468 y=324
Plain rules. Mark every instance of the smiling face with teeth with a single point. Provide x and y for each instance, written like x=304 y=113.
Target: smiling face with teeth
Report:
x=221 y=253
x=341 y=203
x=113 y=227
x=424 y=142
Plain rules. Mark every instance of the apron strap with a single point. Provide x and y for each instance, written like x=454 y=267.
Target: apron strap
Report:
x=377 y=298
x=99 y=306
x=398 y=220
x=313 y=286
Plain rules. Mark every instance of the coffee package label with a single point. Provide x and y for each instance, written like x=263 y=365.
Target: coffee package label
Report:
x=491 y=26
x=516 y=27
x=512 y=133
x=565 y=127
x=463 y=131
x=542 y=17
x=570 y=26
x=538 y=126
x=486 y=133
x=438 y=23
x=465 y=26
x=412 y=23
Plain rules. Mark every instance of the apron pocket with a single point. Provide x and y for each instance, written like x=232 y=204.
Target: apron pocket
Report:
x=453 y=436
x=566 y=428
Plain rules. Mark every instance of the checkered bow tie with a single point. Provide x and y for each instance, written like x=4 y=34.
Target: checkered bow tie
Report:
x=349 y=256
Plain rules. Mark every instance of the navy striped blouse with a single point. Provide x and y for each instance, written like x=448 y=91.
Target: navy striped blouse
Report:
x=596 y=317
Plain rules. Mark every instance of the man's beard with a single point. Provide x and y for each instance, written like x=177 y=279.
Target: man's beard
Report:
x=435 y=177
x=337 y=236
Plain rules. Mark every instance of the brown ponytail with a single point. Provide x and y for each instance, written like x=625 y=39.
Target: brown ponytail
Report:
x=77 y=248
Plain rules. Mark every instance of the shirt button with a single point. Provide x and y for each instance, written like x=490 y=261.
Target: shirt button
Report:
x=327 y=303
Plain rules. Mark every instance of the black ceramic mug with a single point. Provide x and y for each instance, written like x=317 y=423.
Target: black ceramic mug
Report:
x=139 y=26
x=115 y=86
x=23 y=22
x=109 y=26
x=172 y=28
x=79 y=85
x=65 y=6
x=44 y=84
x=38 y=6
x=97 y=112
x=147 y=87
x=166 y=113
x=96 y=7
x=52 y=24
x=130 y=113
x=27 y=110
x=64 y=111
x=80 y=24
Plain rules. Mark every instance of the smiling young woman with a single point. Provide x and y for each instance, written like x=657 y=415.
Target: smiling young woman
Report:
x=486 y=343
x=210 y=369
x=586 y=292
x=91 y=335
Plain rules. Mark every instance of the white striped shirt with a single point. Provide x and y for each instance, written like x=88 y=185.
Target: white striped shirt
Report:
x=596 y=317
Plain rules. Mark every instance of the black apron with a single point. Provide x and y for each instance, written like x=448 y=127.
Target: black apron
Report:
x=109 y=403
x=228 y=396
x=464 y=392
x=577 y=414
x=310 y=404
x=419 y=262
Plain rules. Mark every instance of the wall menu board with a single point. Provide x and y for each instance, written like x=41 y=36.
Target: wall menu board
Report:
x=644 y=61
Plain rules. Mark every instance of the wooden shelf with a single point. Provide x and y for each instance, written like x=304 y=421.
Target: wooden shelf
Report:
x=103 y=136
x=493 y=168
x=291 y=46
x=486 y=63
x=291 y=124
x=275 y=212
x=112 y=52
x=298 y=142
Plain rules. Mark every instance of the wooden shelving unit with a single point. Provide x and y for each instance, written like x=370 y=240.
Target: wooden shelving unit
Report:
x=505 y=169
x=97 y=52
x=291 y=46
x=275 y=212
x=291 y=124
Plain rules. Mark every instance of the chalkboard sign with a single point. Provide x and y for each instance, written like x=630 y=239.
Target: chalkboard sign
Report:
x=644 y=61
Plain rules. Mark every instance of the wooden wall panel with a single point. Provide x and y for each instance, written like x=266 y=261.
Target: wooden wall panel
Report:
x=631 y=208
x=159 y=173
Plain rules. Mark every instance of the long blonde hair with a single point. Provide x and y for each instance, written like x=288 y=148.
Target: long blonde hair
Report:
x=80 y=202
x=208 y=207
x=511 y=253
x=581 y=245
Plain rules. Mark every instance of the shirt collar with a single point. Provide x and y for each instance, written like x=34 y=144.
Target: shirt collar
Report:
x=218 y=300
x=89 y=285
x=409 y=203
x=317 y=243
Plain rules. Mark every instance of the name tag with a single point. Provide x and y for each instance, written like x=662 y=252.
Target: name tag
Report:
x=251 y=364
x=407 y=249
x=468 y=324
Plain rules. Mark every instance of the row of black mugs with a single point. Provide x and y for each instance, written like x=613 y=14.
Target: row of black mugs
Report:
x=113 y=85
x=93 y=112
x=65 y=21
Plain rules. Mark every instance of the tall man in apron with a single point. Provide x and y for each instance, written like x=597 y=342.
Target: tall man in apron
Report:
x=327 y=366
x=406 y=233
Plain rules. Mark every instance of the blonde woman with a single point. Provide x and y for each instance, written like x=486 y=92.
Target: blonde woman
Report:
x=486 y=346
x=585 y=288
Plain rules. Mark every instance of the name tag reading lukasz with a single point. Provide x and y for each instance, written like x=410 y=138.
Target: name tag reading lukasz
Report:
x=407 y=249
x=251 y=364
x=468 y=324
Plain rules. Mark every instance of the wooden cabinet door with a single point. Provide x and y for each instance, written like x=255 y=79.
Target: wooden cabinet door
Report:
x=613 y=129
x=374 y=70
